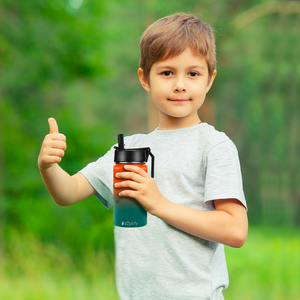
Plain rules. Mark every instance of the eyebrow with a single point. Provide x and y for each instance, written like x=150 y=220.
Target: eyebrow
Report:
x=195 y=67
x=191 y=67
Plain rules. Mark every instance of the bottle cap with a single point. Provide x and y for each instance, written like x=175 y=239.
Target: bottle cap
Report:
x=134 y=155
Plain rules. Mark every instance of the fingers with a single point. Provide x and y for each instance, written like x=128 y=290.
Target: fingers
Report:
x=56 y=137
x=56 y=152
x=56 y=144
x=53 y=147
x=53 y=125
x=130 y=176
x=127 y=184
x=128 y=193
x=54 y=133
x=134 y=180
x=48 y=157
x=136 y=170
x=129 y=188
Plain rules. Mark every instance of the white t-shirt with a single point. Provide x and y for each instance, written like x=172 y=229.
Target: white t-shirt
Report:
x=193 y=167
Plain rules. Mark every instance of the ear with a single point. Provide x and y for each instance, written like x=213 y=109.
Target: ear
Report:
x=211 y=81
x=143 y=80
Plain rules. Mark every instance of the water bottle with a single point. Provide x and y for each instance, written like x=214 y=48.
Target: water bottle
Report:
x=128 y=212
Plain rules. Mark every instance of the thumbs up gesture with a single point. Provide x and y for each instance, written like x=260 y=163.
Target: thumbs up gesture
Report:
x=53 y=147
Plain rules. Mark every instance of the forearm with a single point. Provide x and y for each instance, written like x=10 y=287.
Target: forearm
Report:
x=60 y=185
x=216 y=226
x=227 y=224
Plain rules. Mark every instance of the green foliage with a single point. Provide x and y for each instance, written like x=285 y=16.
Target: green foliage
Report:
x=81 y=229
x=257 y=99
x=266 y=267
x=51 y=59
x=35 y=270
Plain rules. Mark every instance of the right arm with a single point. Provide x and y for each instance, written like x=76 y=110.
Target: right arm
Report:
x=63 y=188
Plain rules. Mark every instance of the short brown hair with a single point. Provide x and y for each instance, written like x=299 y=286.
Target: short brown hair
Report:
x=171 y=35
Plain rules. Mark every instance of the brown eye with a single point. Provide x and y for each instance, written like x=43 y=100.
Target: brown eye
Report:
x=167 y=73
x=193 y=74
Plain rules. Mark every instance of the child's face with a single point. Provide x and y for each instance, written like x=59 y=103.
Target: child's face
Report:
x=178 y=86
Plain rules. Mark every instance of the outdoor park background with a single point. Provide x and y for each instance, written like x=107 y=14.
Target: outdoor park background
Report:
x=77 y=61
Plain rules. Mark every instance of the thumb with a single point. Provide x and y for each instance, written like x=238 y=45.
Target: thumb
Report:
x=53 y=125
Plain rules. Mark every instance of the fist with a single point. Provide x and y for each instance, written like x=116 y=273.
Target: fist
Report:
x=53 y=147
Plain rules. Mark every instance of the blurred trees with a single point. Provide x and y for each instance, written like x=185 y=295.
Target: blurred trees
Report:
x=51 y=59
x=77 y=61
x=258 y=94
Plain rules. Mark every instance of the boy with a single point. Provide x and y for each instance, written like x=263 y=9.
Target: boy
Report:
x=195 y=201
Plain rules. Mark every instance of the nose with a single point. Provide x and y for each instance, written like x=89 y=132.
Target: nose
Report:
x=180 y=89
x=179 y=86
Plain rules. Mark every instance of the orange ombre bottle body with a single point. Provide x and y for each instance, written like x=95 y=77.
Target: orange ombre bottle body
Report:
x=128 y=212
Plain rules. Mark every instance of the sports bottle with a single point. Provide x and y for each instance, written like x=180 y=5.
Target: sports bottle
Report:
x=128 y=212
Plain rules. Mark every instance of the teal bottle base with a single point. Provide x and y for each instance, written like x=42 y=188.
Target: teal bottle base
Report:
x=128 y=213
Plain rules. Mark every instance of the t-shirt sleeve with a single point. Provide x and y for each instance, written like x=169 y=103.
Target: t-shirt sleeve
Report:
x=100 y=176
x=223 y=178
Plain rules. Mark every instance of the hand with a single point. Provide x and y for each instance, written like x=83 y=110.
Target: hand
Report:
x=53 y=147
x=143 y=188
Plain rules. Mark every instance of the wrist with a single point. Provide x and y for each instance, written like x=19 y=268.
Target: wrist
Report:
x=162 y=208
x=45 y=168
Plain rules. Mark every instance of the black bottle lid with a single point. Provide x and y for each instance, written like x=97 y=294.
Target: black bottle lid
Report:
x=134 y=155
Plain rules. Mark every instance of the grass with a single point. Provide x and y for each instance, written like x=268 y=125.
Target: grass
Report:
x=266 y=267
x=32 y=270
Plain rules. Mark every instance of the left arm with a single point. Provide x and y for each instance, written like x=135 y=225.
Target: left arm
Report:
x=227 y=224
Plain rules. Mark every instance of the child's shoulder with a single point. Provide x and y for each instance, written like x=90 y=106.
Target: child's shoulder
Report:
x=212 y=133
x=134 y=140
x=212 y=137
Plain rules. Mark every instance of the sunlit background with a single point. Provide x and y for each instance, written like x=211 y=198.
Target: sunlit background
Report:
x=77 y=61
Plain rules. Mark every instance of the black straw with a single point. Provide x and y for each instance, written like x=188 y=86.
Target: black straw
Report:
x=121 y=141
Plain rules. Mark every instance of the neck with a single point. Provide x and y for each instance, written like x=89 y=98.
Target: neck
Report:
x=177 y=123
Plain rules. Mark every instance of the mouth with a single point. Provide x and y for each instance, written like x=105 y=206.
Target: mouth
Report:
x=179 y=100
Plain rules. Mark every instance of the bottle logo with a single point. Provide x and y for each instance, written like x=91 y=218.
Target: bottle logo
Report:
x=127 y=223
